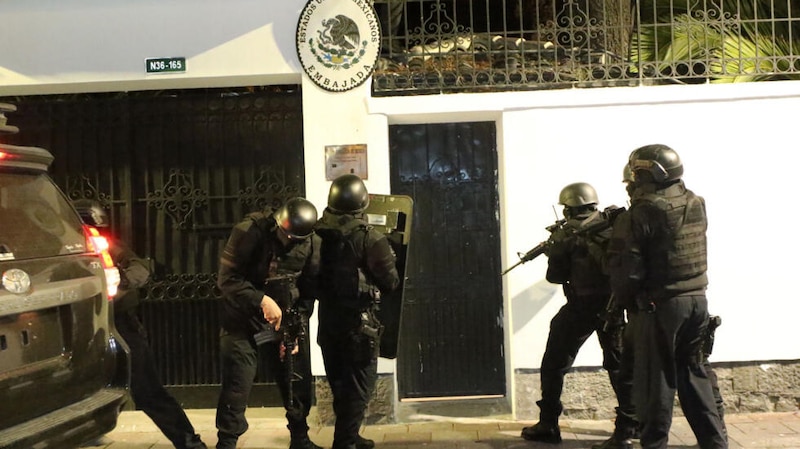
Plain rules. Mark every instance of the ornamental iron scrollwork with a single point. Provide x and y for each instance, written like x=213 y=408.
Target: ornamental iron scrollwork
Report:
x=178 y=198
x=175 y=287
x=443 y=46
x=82 y=187
x=269 y=190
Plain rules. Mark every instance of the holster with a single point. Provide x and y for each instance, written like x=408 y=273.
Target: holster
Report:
x=366 y=340
x=370 y=326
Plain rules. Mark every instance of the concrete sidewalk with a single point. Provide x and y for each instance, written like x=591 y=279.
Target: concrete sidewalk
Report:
x=268 y=430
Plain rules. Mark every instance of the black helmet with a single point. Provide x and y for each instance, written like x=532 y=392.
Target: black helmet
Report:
x=627 y=174
x=660 y=161
x=297 y=218
x=577 y=194
x=348 y=195
x=92 y=213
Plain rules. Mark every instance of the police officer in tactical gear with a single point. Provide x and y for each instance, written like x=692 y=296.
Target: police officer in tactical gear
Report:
x=626 y=368
x=657 y=266
x=269 y=267
x=147 y=392
x=357 y=265
x=575 y=260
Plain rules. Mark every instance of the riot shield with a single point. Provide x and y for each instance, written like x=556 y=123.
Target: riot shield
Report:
x=391 y=215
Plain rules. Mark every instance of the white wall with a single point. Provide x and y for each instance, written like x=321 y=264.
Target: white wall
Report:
x=737 y=154
x=737 y=143
x=52 y=46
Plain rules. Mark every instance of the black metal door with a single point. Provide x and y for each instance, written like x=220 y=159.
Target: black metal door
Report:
x=177 y=169
x=451 y=340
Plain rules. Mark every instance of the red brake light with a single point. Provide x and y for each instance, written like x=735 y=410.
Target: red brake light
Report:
x=3 y=155
x=99 y=245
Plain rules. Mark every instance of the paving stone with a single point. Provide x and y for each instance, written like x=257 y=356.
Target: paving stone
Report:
x=268 y=431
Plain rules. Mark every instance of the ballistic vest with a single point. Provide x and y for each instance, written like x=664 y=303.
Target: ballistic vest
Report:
x=341 y=262
x=587 y=273
x=686 y=261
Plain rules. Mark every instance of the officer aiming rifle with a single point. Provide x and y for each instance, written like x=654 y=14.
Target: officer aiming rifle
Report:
x=576 y=256
x=607 y=220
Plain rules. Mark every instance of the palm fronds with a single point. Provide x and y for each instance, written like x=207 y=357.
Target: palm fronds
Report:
x=724 y=40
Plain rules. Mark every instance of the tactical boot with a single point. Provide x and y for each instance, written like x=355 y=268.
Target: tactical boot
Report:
x=303 y=443
x=614 y=443
x=226 y=443
x=193 y=442
x=363 y=443
x=546 y=433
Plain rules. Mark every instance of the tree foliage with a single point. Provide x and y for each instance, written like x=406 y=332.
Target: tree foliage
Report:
x=724 y=40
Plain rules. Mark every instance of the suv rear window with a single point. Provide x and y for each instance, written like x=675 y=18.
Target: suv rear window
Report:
x=35 y=218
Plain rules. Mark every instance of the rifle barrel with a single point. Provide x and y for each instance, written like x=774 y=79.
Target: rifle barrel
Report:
x=511 y=268
x=535 y=252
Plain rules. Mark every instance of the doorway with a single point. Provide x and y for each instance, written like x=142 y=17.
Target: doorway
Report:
x=451 y=340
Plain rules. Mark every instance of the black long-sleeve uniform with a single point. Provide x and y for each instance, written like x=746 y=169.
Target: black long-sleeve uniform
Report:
x=357 y=264
x=576 y=260
x=147 y=392
x=252 y=255
x=657 y=266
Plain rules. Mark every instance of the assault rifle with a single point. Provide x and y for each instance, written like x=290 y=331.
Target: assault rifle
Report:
x=608 y=216
x=293 y=327
x=537 y=250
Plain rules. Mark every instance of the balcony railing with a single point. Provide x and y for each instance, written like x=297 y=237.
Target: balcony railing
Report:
x=440 y=46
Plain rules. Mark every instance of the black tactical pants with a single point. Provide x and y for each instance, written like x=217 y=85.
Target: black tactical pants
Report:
x=239 y=358
x=666 y=361
x=626 y=372
x=352 y=373
x=147 y=392
x=569 y=329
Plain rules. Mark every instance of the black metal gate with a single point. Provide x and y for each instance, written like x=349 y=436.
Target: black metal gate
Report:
x=451 y=341
x=177 y=169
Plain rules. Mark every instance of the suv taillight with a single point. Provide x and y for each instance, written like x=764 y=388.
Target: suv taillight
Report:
x=98 y=244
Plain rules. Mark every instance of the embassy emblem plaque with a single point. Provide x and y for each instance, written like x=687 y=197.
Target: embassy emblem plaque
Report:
x=338 y=42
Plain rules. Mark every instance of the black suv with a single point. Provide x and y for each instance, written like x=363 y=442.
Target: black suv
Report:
x=63 y=373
